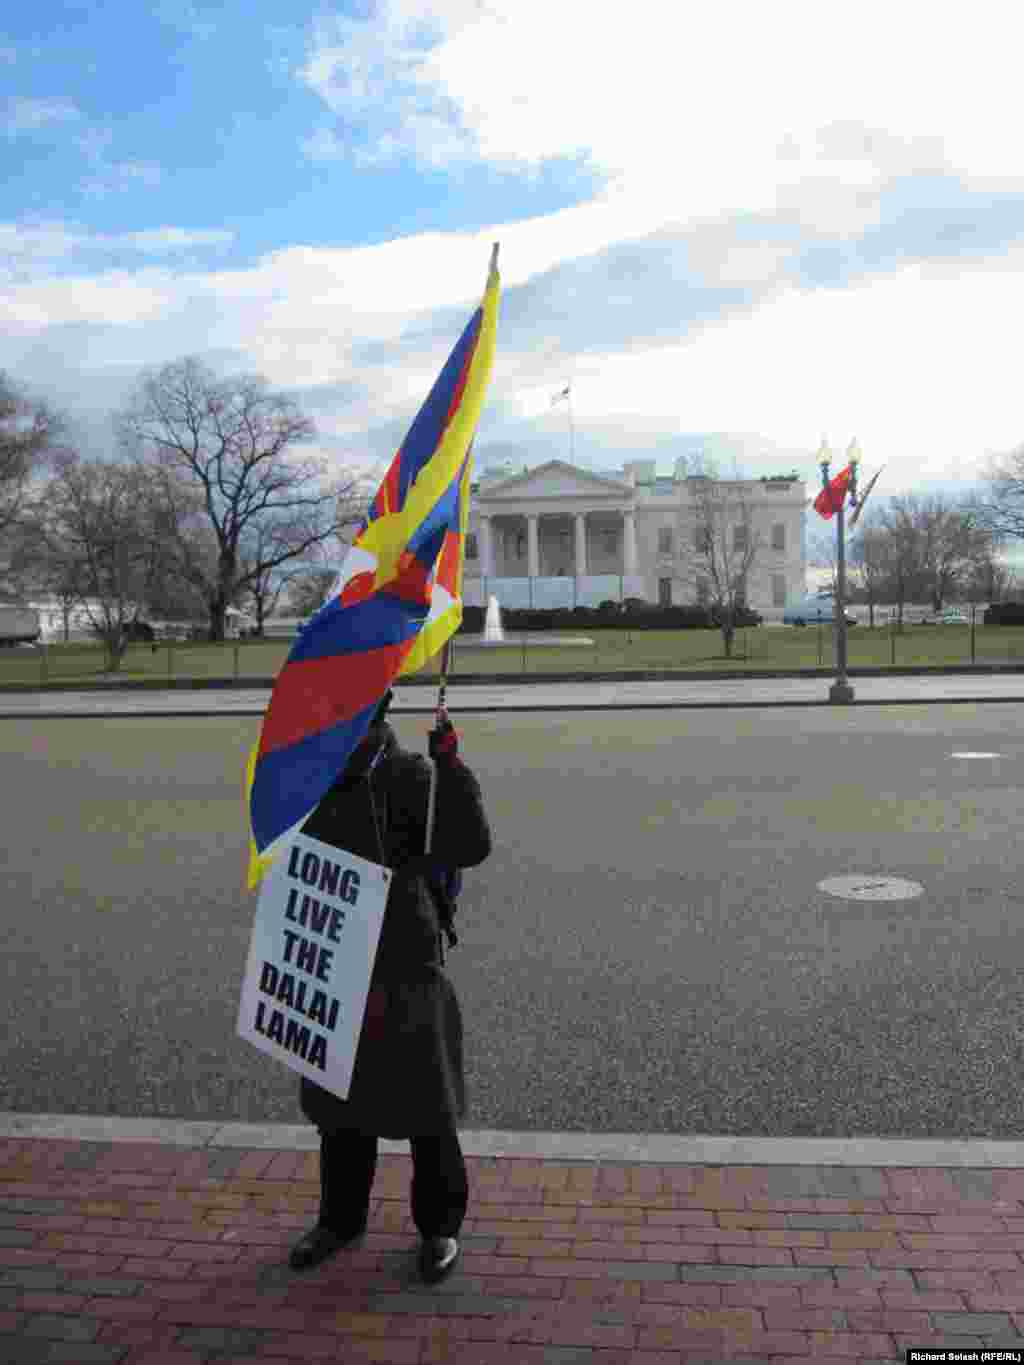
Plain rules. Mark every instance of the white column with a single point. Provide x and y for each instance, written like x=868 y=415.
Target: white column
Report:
x=532 y=548
x=581 y=545
x=629 y=543
x=486 y=548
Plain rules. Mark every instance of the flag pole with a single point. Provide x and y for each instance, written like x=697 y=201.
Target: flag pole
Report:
x=441 y=714
x=840 y=692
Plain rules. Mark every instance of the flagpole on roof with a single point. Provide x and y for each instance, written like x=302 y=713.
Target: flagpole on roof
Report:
x=566 y=393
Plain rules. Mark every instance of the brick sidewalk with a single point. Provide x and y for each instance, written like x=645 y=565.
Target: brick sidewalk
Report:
x=159 y=1255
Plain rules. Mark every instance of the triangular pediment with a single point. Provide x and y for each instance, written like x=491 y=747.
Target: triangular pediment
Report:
x=556 y=479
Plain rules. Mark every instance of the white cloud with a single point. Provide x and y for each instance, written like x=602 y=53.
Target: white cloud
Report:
x=25 y=115
x=692 y=111
x=35 y=244
x=920 y=369
x=698 y=126
x=921 y=366
x=115 y=298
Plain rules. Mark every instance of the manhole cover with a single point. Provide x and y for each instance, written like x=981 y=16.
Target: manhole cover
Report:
x=867 y=888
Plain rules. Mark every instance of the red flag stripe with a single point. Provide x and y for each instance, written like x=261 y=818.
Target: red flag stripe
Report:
x=412 y=582
x=390 y=487
x=448 y=563
x=358 y=588
x=315 y=694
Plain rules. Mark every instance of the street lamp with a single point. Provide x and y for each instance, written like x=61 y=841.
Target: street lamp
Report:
x=840 y=691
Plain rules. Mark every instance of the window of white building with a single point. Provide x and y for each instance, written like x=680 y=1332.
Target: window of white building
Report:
x=778 y=590
x=665 y=540
x=778 y=538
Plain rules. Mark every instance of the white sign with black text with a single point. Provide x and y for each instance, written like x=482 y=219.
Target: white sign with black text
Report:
x=314 y=941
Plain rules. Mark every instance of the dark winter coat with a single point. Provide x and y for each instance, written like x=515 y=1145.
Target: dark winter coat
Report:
x=408 y=1077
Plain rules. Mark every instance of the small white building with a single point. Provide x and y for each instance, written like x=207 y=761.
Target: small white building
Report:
x=559 y=536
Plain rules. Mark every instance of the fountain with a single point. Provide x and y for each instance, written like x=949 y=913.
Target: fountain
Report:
x=494 y=632
x=494 y=636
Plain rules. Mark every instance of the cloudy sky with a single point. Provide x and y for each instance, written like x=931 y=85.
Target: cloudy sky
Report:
x=732 y=228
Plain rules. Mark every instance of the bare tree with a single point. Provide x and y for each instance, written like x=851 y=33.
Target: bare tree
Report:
x=903 y=547
x=989 y=581
x=870 y=563
x=29 y=432
x=268 y=577
x=38 y=569
x=821 y=550
x=717 y=547
x=308 y=591
x=1002 y=512
x=230 y=440
x=952 y=542
x=100 y=535
x=264 y=593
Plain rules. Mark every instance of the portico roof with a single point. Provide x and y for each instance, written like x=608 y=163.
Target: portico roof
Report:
x=556 y=479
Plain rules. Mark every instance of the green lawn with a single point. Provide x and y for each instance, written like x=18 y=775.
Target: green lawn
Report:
x=788 y=648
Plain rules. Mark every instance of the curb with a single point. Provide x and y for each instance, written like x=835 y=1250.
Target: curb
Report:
x=197 y=684
x=658 y=1148
x=464 y=709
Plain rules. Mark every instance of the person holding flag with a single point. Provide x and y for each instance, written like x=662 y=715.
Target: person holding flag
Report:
x=328 y=764
x=408 y=1080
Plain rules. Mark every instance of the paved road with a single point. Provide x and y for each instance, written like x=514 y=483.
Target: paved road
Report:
x=540 y=695
x=648 y=950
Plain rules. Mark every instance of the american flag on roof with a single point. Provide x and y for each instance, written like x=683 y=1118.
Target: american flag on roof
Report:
x=397 y=600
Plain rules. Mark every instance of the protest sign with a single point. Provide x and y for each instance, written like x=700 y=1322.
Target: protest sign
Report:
x=314 y=940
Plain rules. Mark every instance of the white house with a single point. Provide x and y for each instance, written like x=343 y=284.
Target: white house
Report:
x=559 y=536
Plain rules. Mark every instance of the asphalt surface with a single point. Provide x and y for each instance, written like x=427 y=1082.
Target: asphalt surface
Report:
x=647 y=951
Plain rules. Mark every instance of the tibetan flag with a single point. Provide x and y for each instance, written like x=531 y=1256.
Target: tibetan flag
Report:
x=397 y=600
x=445 y=615
x=830 y=499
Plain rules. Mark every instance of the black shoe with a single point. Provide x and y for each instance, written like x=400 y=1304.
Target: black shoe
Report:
x=318 y=1244
x=437 y=1258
